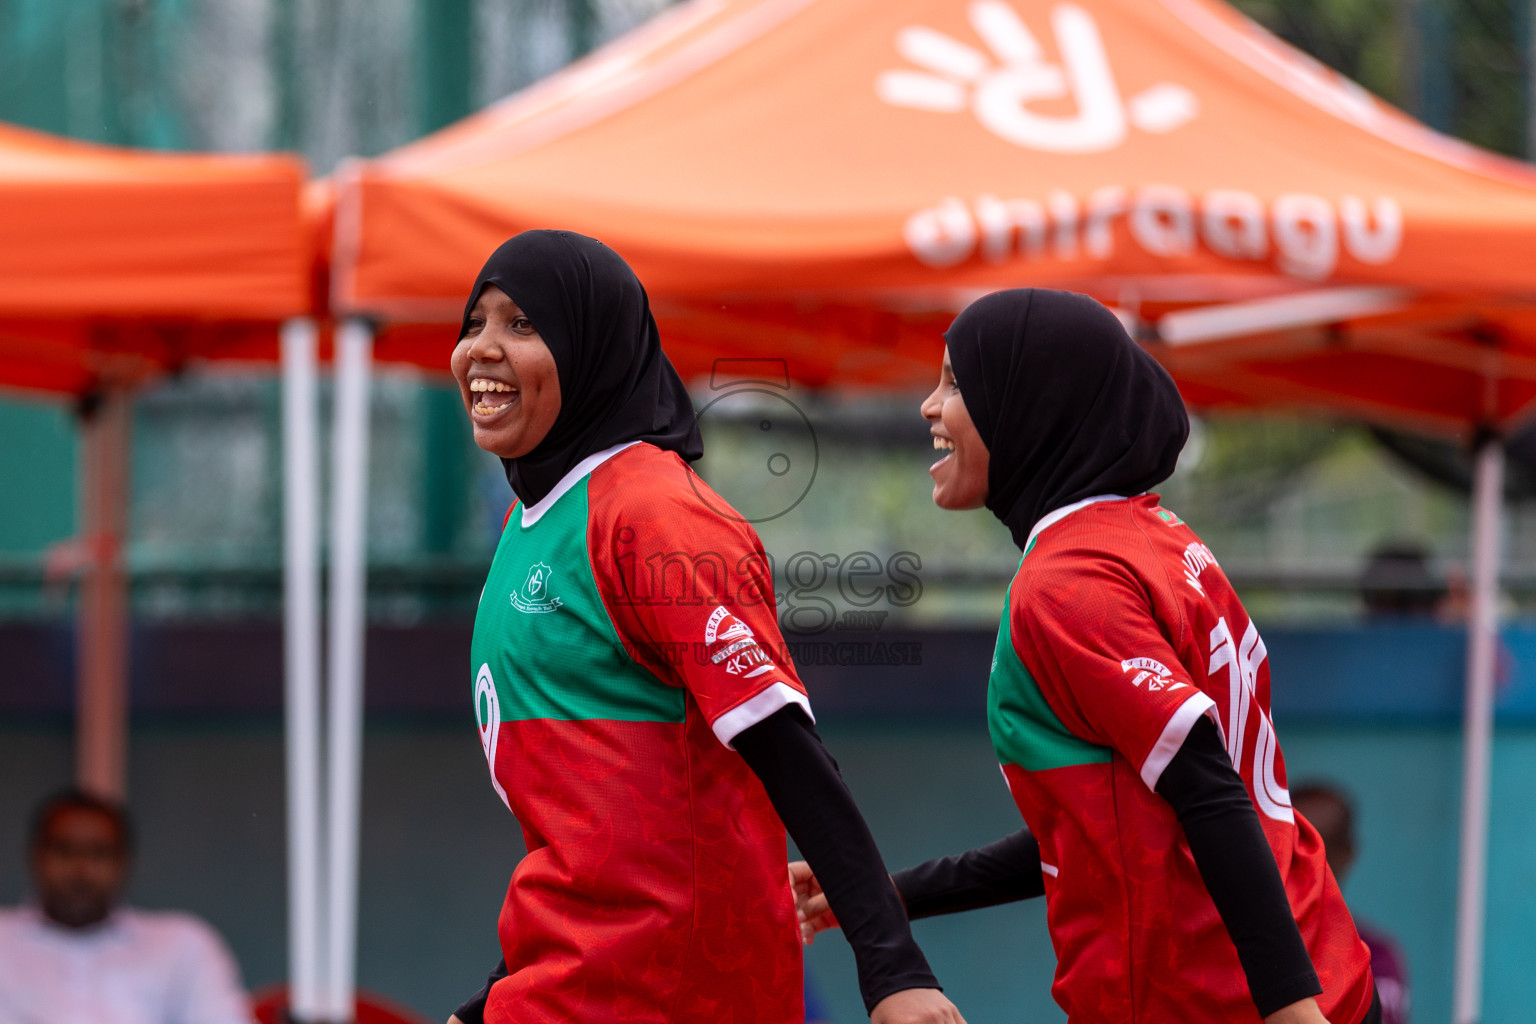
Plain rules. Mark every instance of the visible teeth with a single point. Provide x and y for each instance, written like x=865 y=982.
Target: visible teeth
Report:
x=942 y=443
x=484 y=409
x=483 y=384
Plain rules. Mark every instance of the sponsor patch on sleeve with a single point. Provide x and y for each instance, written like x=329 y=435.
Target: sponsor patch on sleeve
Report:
x=1151 y=674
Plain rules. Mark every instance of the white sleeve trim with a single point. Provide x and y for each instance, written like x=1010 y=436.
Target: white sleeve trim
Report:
x=749 y=712
x=1174 y=734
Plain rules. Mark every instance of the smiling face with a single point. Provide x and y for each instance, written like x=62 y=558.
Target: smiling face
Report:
x=507 y=377
x=960 y=477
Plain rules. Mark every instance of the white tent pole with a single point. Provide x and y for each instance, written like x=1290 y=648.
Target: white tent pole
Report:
x=349 y=480
x=1482 y=650
x=301 y=649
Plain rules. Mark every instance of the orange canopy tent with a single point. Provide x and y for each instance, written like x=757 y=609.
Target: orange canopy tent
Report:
x=116 y=265
x=828 y=182
x=116 y=262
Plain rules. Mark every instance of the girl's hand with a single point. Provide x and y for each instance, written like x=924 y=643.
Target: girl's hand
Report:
x=1303 y=1012
x=916 y=1006
x=811 y=906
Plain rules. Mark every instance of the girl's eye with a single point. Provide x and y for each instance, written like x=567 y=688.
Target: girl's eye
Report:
x=521 y=323
x=475 y=325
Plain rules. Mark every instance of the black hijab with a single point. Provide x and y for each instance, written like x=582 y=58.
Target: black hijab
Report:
x=1068 y=405
x=616 y=384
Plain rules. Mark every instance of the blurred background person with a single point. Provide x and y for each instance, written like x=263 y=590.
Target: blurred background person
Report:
x=76 y=955
x=1331 y=812
x=1397 y=582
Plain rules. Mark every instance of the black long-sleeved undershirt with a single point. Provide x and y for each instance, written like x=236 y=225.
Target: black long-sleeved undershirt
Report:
x=807 y=790
x=1233 y=857
x=1238 y=868
x=1000 y=872
x=805 y=787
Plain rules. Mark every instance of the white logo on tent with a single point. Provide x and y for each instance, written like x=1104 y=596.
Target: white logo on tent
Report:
x=1001 y=88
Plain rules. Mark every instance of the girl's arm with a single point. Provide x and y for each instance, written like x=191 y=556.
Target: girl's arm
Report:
x=1239 y=870
x=806 y=789
x=989 y=875
x=1001 y=872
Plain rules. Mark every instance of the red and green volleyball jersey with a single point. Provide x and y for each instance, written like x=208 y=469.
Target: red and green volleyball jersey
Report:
x=625 y=635
x=1120 y=632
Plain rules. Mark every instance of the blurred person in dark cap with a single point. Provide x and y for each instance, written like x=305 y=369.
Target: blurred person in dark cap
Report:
x=1332 y=813
x=76 y=955
x=1397 y=582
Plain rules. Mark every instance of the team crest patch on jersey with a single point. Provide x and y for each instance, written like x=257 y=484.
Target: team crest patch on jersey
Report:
x=534 y=595
x=1168 y=517
x=731 y=642
x=1151 y=673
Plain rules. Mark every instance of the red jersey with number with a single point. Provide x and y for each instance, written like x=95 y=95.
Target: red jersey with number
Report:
x=625 y=636
x=1120 y=632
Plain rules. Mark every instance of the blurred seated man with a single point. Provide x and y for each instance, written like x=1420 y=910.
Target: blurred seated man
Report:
x=1333 y=815
x=75 y=956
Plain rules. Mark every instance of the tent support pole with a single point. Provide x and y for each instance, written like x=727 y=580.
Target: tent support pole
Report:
x=1482 y=651
x=301 y=666
x=349 y=480
x=101 y=683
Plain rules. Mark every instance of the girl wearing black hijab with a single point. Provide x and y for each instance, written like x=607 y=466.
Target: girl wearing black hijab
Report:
x=637 y=708
x=1128 y=701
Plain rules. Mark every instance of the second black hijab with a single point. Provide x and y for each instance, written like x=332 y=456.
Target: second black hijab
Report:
x=616 y=383
x=1067 y=404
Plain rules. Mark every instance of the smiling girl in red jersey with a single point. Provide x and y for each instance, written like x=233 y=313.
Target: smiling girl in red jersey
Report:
x=1128 y=700
x=636 y=708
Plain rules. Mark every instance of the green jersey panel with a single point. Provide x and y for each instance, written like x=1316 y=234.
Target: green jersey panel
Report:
x=544 y=637
x=1025 y=731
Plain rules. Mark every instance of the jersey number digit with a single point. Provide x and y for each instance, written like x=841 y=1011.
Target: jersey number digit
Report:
x=1242 y=660
x=488 y=717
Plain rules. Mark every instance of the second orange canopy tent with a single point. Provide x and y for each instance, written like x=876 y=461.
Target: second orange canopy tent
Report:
x=829 y=182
